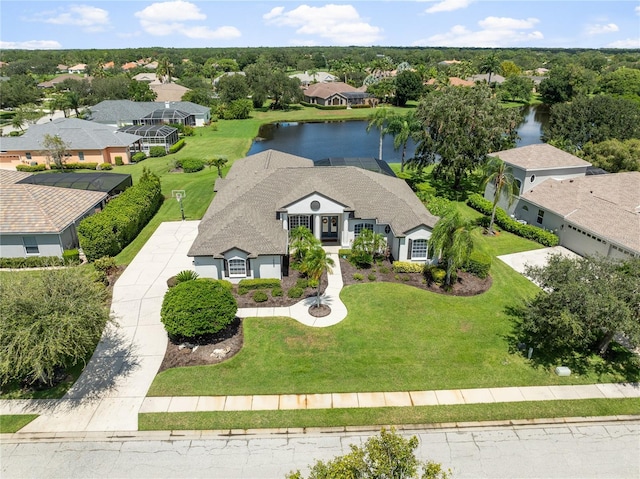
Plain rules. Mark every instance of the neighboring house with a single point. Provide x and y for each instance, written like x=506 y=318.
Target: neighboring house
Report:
x=61 y=78
x=153 y=135
x=79 y=68
x=335 y=94
x=108 y=66
x=146 y=77
x=307 y=78
x=169 y=91
x=62 y=68
x=244 y=233
x=151 y=66
x=226 y=74
x=129 y=66
x=591 y=214
x=87 y=142
x=453 y=81
x=449 y=62
x=127 y=112
x=484 y=77
x=41 y=220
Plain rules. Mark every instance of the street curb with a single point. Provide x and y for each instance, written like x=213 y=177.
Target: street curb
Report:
x=188 y=435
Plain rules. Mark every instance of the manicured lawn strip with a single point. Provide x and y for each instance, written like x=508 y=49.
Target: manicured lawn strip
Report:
x=385 y=416
x=13 y=423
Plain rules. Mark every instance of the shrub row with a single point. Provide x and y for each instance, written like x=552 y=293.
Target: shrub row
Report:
x=247 y=285
x=75 y=166
x=157 y=151
x=507 y=223
x=31 y=168
x=138 y=157
x=407 y=267
x=324 y=107
x=108 y=232
x=105 y=166
x=177 y=146
x=478 y=264
x=31 y=262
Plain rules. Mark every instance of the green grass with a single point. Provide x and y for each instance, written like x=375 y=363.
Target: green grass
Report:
x=13 y=423
x=386 y=416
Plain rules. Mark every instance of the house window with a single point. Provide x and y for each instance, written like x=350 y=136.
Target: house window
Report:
x=81 y=155
x=28 y=155
x=419 y=249
x=237 y=268
x=533 y=178
x=525 y=207
x=299 y=220
x=540 y=217
x=357 y=229
x=30 y=245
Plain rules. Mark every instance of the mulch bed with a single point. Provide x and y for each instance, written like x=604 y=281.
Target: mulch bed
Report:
x=466 y=285
x=288 y=282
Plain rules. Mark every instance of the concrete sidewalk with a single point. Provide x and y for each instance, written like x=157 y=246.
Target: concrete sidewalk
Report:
x=388 y=399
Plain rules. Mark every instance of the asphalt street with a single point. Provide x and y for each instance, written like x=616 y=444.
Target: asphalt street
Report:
x=583 y=450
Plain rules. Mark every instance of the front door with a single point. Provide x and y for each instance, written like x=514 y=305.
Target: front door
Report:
x=329 y=228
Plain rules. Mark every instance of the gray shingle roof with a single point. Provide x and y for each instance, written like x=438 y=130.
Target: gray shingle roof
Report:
x=78 y=134
x=540 y=157
x=608 y=205
x=28 y=208
x=115 y=111
x=243 y=212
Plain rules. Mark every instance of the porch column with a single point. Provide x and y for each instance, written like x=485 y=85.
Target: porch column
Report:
x=317 y=227
x=344 y=242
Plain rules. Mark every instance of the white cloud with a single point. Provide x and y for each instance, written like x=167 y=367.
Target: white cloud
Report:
x=638 y=10
x=494 y=32
x=340 y=24
x=170 y=18
x=90 y=19
x=598 y=29
x=31 y=45
x=448 y=6
x=628 y=43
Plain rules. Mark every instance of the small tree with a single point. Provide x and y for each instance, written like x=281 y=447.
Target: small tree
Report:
x=451 y=240
x=55 y=149
x=301 y=240
x=386 y=456
x=366 y=247
x=219 y=163
x=314 y=265
x=500 y=175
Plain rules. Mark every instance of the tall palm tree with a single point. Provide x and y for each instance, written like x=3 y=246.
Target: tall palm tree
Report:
x=490 y=64
x=403 y=128
x=500 y=175
x=379 y=119
x=164 y=71
x=451 y=240
x=315 y=264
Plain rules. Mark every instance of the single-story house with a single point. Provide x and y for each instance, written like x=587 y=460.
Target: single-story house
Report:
x=127 y=112
x=484 y=77
x=453 y=81
x=79 y=68
x=591 y=214
x=335 y=94
x=226 y=74
x=153 y=135
x=87 y=142
x=307 y=78
x=40 y=220
x=244 y=233
x=61 y=78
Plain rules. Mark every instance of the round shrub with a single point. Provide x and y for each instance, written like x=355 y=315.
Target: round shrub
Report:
x=197 y=308
x=295 y=292
x=141 y=155
x=191 y=165
x=433 y=274
x=302 y=283
x=371 y=277
x=276 y=292
x=105 y=166
x=358 y=276
x=260 y=296
x=479 y=264
x=157 y=151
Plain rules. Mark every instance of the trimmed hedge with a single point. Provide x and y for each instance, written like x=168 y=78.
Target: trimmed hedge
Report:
x=295 y=292
x=276 y=292
x=138 y=157
x=32 y=262
x=191 y=165
x=71 y=256
x=484 y=206
x=197 y=308
x=344 y=253
x=108 y=232
x=105 y=166
x=75 y=166
x=177 y=146
x=246 y=285
x=31 y=168
x=260 y=296
x=324 y=107
x=478 y=264
x=407 y=267
x=157 y=151
x=119 y=161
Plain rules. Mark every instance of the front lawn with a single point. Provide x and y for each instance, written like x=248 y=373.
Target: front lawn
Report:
x=13 y=423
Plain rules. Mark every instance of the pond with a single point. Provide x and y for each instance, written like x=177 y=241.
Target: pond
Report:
x=349 y=139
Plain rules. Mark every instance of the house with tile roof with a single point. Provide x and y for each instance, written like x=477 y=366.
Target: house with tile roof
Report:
x=307 y=78
x=87 y=142
x=335 y=94
x=591 y=214
x=79 y=68
x=61 y=78
x=127 y=112
x=40 y=220
x=245 y=231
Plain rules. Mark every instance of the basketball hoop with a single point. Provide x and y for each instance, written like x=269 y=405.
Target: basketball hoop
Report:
x=179 y=195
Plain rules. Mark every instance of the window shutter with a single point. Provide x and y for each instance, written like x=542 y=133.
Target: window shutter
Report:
x=248 y=266
x=409 y=249
x=225 y=265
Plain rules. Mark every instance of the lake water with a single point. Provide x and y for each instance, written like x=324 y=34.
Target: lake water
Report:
x=349 y=139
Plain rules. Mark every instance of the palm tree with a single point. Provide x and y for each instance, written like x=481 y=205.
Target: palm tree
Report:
x=500 y=175
x=315 y=264
x=17 y=121
x=72 y=101
x=490 y=64
x=219 y=163
x=451 y=240
x=301 y=241
x=164 y=71
x=379 y=119
x=402 y=128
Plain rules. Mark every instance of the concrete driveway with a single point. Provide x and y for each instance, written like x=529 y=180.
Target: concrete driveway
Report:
x=536 y=257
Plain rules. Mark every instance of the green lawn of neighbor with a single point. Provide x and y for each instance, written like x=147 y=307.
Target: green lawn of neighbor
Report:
x=395 y=338
x=387 y=415
x=13 y=423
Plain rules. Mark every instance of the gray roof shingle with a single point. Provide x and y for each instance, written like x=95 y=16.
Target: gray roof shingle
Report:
x=540 y=157
x=122 y=111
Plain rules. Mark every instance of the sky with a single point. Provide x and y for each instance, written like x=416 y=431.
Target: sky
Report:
x=110 y=24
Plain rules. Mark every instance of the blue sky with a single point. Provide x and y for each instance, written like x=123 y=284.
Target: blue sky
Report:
x=48 y=24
